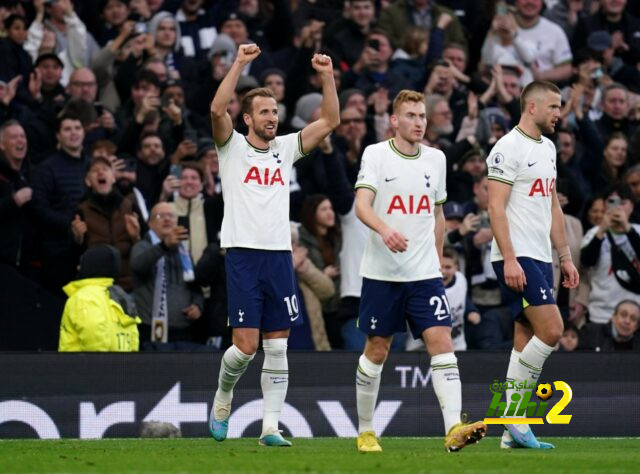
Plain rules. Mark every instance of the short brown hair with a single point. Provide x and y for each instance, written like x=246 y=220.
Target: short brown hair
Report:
x=193 y=165
x=536 y=87
x=247 y=100
x=106 y=145
x=406 y=95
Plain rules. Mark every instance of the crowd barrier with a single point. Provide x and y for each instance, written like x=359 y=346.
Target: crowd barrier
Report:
x=50 y=395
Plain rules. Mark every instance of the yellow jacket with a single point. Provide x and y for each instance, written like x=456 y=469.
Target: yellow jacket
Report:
x=92 y=321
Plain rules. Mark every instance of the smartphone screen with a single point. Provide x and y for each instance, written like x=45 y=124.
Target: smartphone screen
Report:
x=183 y=221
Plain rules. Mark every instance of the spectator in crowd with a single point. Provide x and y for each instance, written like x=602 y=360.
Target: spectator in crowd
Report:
x=457 y=226
x=349 y=40
x=16 y=239
x=221 y=56
x=45 y=80
x=471 y=166
x=315 y=287
x=443 y=81
x=504 y=44
x=270 y=26
x=373 y=68
x=152 y=167
x=600 y=45
x=168 y=303
x=439 y=121
x=501 y=100
x=401 y=14
x=84 y=86
x=552 y=57
x=98 y=316
x=106 y=62
x=234 y=25
x=202 y=216
x=615 y=111
x=614 y=162
x=212 y=327
x=619 y=334
x=632 y=179
x=485 y=292
x=593 y=213
x=320 y=235
x=274 y=80
x=15 y=60
x=565 y=297
x=114 y=14
x=409 y=58
x=566 y=13
x=623 y=27
x=351 y=138
x=107 y=217
x=610 y=252
x=570 y=161
x=61 y=33
x=145 y=85
x=165 y=32
x=197 y=31
x=570 y=339
x=58 y=187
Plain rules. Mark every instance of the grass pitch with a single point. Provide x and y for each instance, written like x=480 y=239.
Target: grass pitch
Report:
x=330 y=455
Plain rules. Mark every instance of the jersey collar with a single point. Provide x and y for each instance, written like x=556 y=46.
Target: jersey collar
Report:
x=259 y=150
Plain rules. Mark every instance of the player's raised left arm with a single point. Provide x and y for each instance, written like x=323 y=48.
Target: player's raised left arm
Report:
x=329 y=119
x=571 y=278
x=438 y=213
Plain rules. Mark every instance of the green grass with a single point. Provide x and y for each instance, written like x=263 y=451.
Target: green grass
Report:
x=409 y=455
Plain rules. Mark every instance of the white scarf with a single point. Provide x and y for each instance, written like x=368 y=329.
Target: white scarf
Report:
x=159 y=309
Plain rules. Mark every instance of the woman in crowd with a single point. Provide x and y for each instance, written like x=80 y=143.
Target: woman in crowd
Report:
x=320 y=234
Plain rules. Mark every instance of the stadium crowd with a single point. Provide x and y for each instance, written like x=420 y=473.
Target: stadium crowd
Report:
x=105 y=134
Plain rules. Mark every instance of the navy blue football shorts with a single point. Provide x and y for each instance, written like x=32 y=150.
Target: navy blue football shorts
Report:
x=261 y=289
x=387 y=306
x=539 y=288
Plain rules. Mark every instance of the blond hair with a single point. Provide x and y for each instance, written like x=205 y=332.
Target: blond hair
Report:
x=406 y=95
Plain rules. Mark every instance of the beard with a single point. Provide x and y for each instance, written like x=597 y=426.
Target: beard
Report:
x=265 y=135
x=546 y=129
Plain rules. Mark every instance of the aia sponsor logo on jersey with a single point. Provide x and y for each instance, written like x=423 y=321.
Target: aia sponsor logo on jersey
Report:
x=266 y=178
x=409 y=204
x=543 y=188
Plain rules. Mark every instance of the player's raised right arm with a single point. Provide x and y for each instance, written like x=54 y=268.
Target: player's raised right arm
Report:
x=394 y=240
x=221 y=123
x=499 y=193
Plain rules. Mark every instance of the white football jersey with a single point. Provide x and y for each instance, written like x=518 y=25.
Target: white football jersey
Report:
x=529 y=166
x=407 y=190
x=255 y=188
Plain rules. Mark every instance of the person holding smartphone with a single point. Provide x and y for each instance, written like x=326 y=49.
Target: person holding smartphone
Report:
x=614 y=234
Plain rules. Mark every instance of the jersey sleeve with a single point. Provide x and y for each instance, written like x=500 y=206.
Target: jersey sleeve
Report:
x=368 y=177
x=502 y=165
x=289 y=148
x=223 y=149
x=562 y=51
x=441 y=191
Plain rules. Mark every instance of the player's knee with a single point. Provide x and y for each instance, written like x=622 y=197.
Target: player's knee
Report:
x=275 y=347
x=246 y=345
x=377 y=352
x=551 y=334
x=554 y=336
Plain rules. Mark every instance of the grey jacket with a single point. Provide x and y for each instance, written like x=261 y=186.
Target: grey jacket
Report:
x=180 y=295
